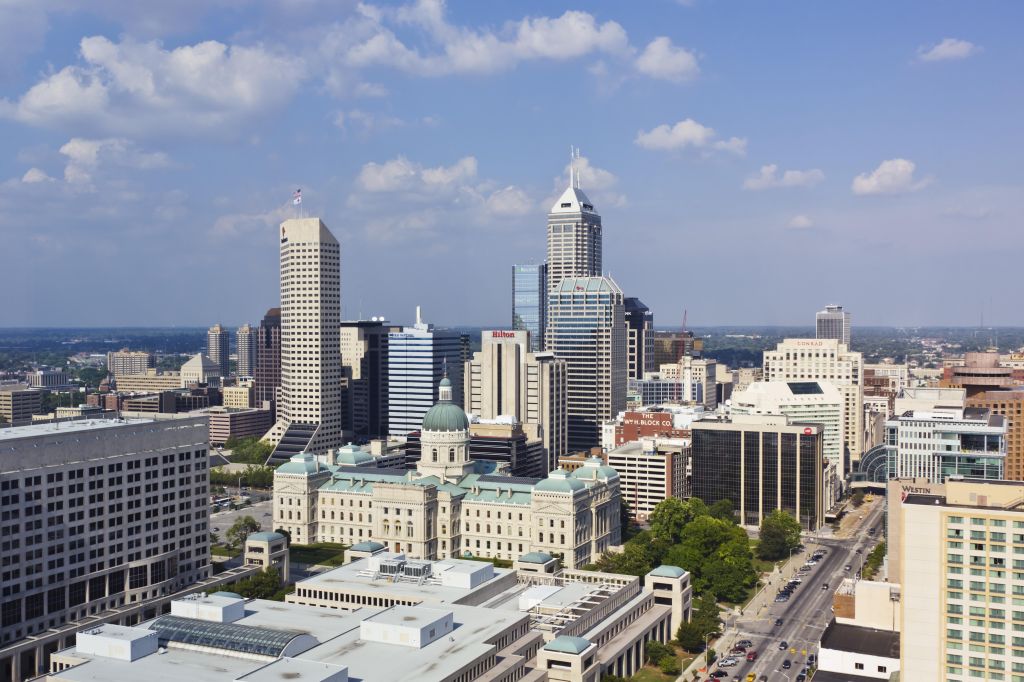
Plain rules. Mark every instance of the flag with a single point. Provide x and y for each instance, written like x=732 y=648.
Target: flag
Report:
x=297 y=197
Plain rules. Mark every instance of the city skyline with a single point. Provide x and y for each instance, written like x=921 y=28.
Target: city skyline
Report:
x=701 y=129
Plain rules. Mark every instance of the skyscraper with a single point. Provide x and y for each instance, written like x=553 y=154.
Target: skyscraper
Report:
x=530 y=301
x=364 y=361
x=833 y=323
x=218 y=348
x=505 y=379
x=825 y=360
x=574 y=236
x=267 y=376
x=639 y=338
x=418 y=357
x=245 y=342
x=586 y=328
x=126 y=361
x=309 y=413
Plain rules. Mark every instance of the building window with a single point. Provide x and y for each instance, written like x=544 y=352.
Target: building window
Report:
x=433 y=454
x=451 y=454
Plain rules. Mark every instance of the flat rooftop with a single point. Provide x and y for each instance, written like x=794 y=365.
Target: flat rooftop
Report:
x=357 y=576
x=69 y=426
x=860 y=640
x=340 y=646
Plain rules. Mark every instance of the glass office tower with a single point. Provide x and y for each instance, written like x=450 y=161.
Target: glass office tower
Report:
x=530 y=302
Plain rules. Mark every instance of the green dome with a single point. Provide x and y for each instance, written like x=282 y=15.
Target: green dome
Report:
x=568 y=645
x=445 y=416
x=593 y=469
x=352 y=455
x=666 y=571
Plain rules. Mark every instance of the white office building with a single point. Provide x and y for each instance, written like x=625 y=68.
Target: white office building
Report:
x=574 y=236
x=245 y=342
x=310 y=407
x=833 y=323
x=825 y=360
x=418 y=357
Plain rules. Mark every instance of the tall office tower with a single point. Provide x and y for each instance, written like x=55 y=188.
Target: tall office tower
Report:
x=670 y=346
x=639 y=338
x=364 y=366
x=833 y=323
x=530 y=301
x=309 y=412
x=760 y=463
x=825 y=360
x=952 y=549
x=218 y=348
x=506 y=379
x=586 y=328
x=418 y=357
x=268 y=359
x=126 y=361
x=245 y=343
x=100 y=515
x=574 y=236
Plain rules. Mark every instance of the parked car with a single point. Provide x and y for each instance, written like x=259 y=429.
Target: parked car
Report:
x=847 y=567
x=778 y=622
x=738 y=650
x=783 y=645
x=801 y=678
x=727 y=662
x=719 y=674
x=745 y=642
x=824 y=586
x=751 y=655
x=786 y=665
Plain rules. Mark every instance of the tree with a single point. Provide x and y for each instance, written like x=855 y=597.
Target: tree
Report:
x=627 y=523
x=704 y=621
x=670 y=666
x=857 y=499
x=668 y=520
x=241 y=529
x=657 y=651
x=723 y=509
x=780 y=535
x=248 y=450
x=262 y=585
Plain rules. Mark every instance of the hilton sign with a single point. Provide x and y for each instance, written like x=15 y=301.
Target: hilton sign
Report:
x=505 y=334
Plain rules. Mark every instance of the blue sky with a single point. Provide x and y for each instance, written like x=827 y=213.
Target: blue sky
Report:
x=752 y=161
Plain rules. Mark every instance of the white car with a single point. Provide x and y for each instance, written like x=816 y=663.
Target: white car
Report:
x=727 y=662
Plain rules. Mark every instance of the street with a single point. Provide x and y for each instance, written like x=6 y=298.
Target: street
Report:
x=807 y=612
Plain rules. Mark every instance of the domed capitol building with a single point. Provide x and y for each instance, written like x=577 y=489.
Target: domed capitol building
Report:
x=449 y=506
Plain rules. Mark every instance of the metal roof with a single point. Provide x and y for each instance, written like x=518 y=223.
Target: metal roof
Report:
x=233 y=637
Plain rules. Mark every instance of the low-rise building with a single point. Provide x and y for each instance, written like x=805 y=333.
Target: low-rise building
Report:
x=53 y=379
x=651 y=470
x=18 y=403
x=236 y=422
x=150 y=381
x=238 y=396
x=655 y=421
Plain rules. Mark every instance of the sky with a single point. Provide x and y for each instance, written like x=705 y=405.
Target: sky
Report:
x=752 y=161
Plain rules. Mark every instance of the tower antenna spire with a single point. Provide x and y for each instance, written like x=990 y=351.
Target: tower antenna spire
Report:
x=572 y=165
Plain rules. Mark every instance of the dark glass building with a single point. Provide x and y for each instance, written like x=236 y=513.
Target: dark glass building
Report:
x=530 y=302
x=267 y=375
x=639 y=338
x=760 y=463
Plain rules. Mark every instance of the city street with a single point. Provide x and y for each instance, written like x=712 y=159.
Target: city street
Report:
x=222 y=520
x=808 y=610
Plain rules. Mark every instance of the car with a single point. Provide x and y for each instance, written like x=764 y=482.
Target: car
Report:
x=783 y=645
x=751 y=655
x=800 y=678
x=751 y=677
x=778 y=622
x=216 y=530
x=727 y=662
x=811 y=659
x=745 y=642
x=858 y=551
x=763 y=678
x=847 y=567
x=795 y=581
x=786 y=665
x=266 y=513
x=824 y=586
x=719 y=673
x=738 y=650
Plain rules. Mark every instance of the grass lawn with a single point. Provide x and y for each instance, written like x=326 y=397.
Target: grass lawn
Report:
x=220 y=550
x=321 y=553
x=651 y=673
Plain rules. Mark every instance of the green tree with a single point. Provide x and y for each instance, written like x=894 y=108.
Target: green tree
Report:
x=613 y=678
x=703 y=622
x=656 y=651
x=627 y=523
x=262 y=585
x=723 y=509
x=668 y=520
x=857 y=499
x=638 y=557
x=780 y=535
x=248 y=450
x=241 y=529
x=670 y=666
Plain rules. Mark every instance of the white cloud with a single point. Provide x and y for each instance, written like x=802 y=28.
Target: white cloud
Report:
x=131 y=87
x=688 y=134
x=893 y=176
x=510 y=201
x=947 y=50
x=86 y=156
x=801 y=222
x=366 y=122
x=769 y=177
x=366 y=41
x=661 y=59
x=599 y=184
x=401 y=174
x=33 y=175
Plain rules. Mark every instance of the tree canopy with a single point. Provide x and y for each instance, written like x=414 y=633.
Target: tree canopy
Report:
x=780 y=535
x=241 y=529
x=248 y=450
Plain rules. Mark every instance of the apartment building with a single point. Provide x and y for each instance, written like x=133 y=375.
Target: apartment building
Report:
x=650 y=471
x=18 y=403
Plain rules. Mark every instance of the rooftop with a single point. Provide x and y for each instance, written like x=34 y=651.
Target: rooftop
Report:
x=68 y=427
x=859 y=640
